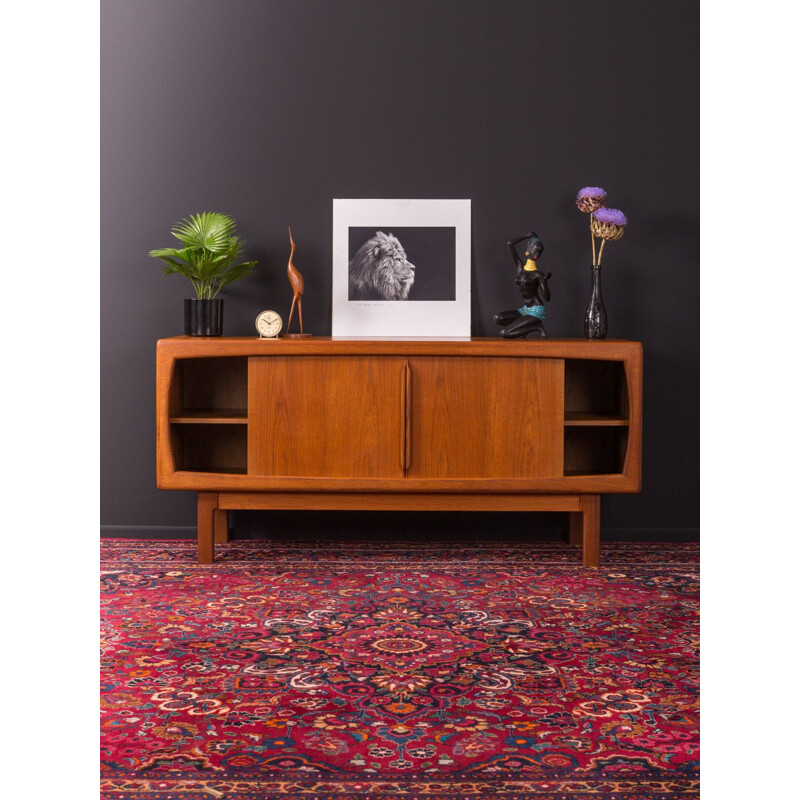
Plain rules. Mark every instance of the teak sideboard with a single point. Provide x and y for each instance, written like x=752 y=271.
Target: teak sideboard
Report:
x=320 y=423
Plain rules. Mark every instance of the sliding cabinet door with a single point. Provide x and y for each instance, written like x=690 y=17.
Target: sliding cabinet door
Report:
x=326 y=416
x=476 y=417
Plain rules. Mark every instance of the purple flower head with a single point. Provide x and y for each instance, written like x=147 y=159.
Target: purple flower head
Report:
x=610 y=216
x=590 y=198
x=591 y=191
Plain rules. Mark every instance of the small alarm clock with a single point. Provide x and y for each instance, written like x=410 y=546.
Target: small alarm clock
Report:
x=269 y=324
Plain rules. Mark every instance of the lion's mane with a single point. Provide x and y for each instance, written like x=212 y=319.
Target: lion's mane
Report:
x=380 y=270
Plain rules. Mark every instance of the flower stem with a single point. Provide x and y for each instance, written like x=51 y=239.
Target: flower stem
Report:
x=594 y=257
x=600 y=255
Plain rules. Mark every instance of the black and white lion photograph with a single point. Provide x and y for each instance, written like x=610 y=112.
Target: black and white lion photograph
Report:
x=394 y=263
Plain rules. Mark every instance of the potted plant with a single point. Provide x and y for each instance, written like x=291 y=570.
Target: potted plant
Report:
x=208 y=259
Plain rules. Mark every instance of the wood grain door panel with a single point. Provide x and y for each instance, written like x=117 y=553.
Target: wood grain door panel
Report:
x=326 y=416
x=486 y=417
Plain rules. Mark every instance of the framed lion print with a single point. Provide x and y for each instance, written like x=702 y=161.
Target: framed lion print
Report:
x=401 y=268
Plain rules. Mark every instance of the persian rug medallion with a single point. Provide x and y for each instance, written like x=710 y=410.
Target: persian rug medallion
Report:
x=430 y=671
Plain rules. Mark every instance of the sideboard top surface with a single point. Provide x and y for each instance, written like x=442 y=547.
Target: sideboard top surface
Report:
x=192 y=346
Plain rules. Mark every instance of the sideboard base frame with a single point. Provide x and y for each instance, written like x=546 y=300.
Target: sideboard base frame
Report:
x=213 y=507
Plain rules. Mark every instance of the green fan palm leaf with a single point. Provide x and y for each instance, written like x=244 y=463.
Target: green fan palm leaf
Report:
x=237 y=272
x=210 y=230
x=210 y=248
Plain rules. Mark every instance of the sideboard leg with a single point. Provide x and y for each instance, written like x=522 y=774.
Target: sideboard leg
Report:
x=576 y=527
x=590 y=512
x=206 y=506
x=221 y=535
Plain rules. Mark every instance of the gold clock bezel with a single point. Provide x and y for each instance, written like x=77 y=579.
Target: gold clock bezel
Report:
x=280 y=324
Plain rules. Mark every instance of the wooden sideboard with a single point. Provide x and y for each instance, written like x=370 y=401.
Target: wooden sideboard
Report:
x=320 y=423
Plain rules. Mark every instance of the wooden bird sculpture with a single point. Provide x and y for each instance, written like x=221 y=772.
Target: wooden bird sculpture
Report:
x=297 y=284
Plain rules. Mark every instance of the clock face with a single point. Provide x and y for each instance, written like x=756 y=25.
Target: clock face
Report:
x=269 y=324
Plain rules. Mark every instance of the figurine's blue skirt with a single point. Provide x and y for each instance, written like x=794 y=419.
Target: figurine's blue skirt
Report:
x=534 y=311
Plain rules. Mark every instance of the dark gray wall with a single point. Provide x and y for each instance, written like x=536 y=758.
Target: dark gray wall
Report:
x=268 y=109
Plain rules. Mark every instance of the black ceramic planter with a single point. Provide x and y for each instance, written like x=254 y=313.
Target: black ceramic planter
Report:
x=202 y=317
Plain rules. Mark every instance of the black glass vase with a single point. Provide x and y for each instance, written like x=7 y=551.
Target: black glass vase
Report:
x=595 y=322
x=202 y=317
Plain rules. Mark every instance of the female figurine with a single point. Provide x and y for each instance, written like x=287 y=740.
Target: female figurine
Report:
x=533 y=287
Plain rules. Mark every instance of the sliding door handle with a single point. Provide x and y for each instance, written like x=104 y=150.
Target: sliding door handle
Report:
x=403 y=415
x=407 y=425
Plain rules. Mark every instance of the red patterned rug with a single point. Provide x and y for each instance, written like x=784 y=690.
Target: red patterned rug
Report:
x=429 y=671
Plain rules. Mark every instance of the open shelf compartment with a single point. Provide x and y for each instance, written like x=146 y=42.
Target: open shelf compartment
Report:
x=210 y=448
x=209 y=391
x=595 y=417
x=596 y=450
x=208 y=415
x=595 y=393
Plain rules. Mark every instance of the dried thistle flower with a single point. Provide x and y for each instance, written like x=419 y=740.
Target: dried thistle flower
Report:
x=590 y=198
x=609 y=224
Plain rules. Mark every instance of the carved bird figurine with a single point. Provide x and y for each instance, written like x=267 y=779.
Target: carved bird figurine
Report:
x=297 y=284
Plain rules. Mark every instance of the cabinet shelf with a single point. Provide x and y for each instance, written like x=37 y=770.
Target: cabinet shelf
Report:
x=217 y=470
x=222 y=416
x=591 y=419
x=588 y=473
